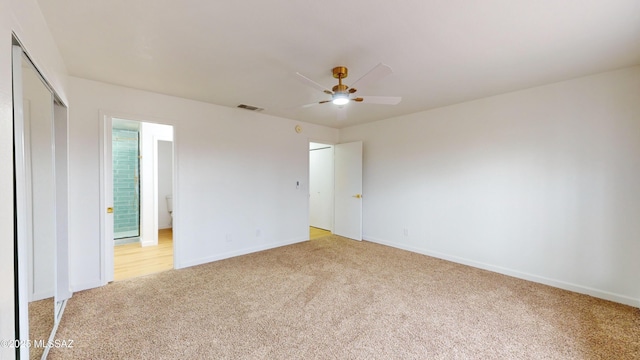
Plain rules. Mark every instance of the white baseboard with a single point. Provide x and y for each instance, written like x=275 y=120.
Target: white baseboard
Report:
x=86 y=286
x=147 y=243
x=601 y=294
x=41 y=295
x=230 y=254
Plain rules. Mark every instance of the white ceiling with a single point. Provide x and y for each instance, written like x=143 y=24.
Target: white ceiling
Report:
x=442 y=52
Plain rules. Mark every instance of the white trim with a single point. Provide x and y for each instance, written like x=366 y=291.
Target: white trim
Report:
x=241 y=252
x=606 y=295
x=154 y=236
x=175 y=222
x=308 y=180
x=86 y=285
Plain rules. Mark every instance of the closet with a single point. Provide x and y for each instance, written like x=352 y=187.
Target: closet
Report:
x=41 y=206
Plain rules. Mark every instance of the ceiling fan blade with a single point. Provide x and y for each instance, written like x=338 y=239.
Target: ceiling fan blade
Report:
x=342 y=113
x=313 y=84
x=378 y=72
x=384 y=100
x=315 y=103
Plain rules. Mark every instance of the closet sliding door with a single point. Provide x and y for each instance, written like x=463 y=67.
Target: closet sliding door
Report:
x=41 y=191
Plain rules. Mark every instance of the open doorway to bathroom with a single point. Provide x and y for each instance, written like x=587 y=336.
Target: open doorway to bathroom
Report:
x=125 y=149
x=142 y=183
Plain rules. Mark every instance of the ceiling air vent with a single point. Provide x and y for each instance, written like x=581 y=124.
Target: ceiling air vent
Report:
x=249 y=107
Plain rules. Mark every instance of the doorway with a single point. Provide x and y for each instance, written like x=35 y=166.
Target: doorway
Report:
x=125 y=150
x=335 y=189
x=137 y=192
x=321 y=183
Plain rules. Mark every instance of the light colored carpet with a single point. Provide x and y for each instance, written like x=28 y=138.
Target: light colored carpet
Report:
x=41 y=314
x=333 y=298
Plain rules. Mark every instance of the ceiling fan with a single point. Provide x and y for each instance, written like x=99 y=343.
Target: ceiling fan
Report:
x=341 y=94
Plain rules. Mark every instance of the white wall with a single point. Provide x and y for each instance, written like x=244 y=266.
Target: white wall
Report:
x=236 y=176
x=540 y=184
x=24 y=18
x=165 y=182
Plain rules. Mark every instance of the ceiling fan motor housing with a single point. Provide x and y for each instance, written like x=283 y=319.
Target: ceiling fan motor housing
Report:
x=340 y=72
x=340 y=88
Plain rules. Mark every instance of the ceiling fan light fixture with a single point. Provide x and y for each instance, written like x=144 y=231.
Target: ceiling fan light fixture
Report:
x=340 y=99
x=341 y=93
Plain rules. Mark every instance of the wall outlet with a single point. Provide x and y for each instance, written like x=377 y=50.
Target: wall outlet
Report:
x=405 y=232
x=229 y=239
x=258 y=232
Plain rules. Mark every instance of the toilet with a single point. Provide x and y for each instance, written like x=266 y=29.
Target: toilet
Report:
x=170 y=207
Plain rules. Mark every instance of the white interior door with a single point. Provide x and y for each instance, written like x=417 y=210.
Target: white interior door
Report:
x=106 y=199
x=348 y=190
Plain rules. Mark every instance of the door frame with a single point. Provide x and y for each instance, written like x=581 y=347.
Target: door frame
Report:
x=334 y=145
x=106 y=191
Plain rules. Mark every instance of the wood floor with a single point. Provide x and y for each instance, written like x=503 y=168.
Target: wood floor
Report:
x=133 y=260
x=315 y=233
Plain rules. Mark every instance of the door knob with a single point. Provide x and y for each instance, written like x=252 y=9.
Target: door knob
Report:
x=358 y=196
x=109 y=210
